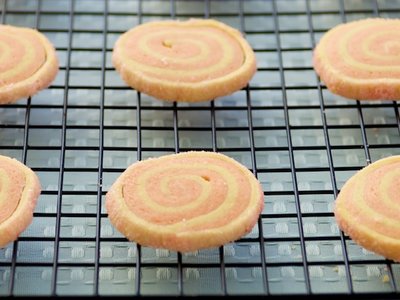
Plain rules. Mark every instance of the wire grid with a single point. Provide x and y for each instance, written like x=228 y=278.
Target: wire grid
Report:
x=300 y=140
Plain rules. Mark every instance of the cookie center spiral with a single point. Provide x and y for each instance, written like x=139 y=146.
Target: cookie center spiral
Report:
x=179 y=54
x=392 y=47
x=193 y=190
x=167 y=43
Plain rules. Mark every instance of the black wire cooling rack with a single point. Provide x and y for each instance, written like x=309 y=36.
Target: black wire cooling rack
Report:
x=300 y=140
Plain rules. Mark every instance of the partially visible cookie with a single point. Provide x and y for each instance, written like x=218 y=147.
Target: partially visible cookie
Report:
x=19 y=191
x=185 y=201
x=361 y=59
x=28 y=63
x=194 y=60
x=368 y=207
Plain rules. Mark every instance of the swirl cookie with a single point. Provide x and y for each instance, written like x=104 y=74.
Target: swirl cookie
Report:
x=368 y=207
x=195 y=60
x=361 y=59
x=28 y=63
x=19 y=190
x=185 y=201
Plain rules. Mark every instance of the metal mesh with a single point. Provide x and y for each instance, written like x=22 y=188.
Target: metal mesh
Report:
x=300 y=140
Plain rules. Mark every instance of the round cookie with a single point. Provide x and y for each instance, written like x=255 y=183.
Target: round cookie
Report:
x=194 y=60
x=361 y=59
x=19 y=191
x=186 y=201
x=28 y=63
x=368 y=207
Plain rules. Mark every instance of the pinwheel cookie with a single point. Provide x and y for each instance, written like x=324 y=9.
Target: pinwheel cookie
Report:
x=185 y=201
x=194 y=60
x=368 y=207
x=361 y=59
x=19 y=190
x=28 y=63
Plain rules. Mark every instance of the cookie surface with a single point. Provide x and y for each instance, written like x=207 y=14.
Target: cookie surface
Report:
x=368 y=207
x=19 y=191
x=361 y=59
x=28 y=63
x=185 y=201
x=194 y=60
